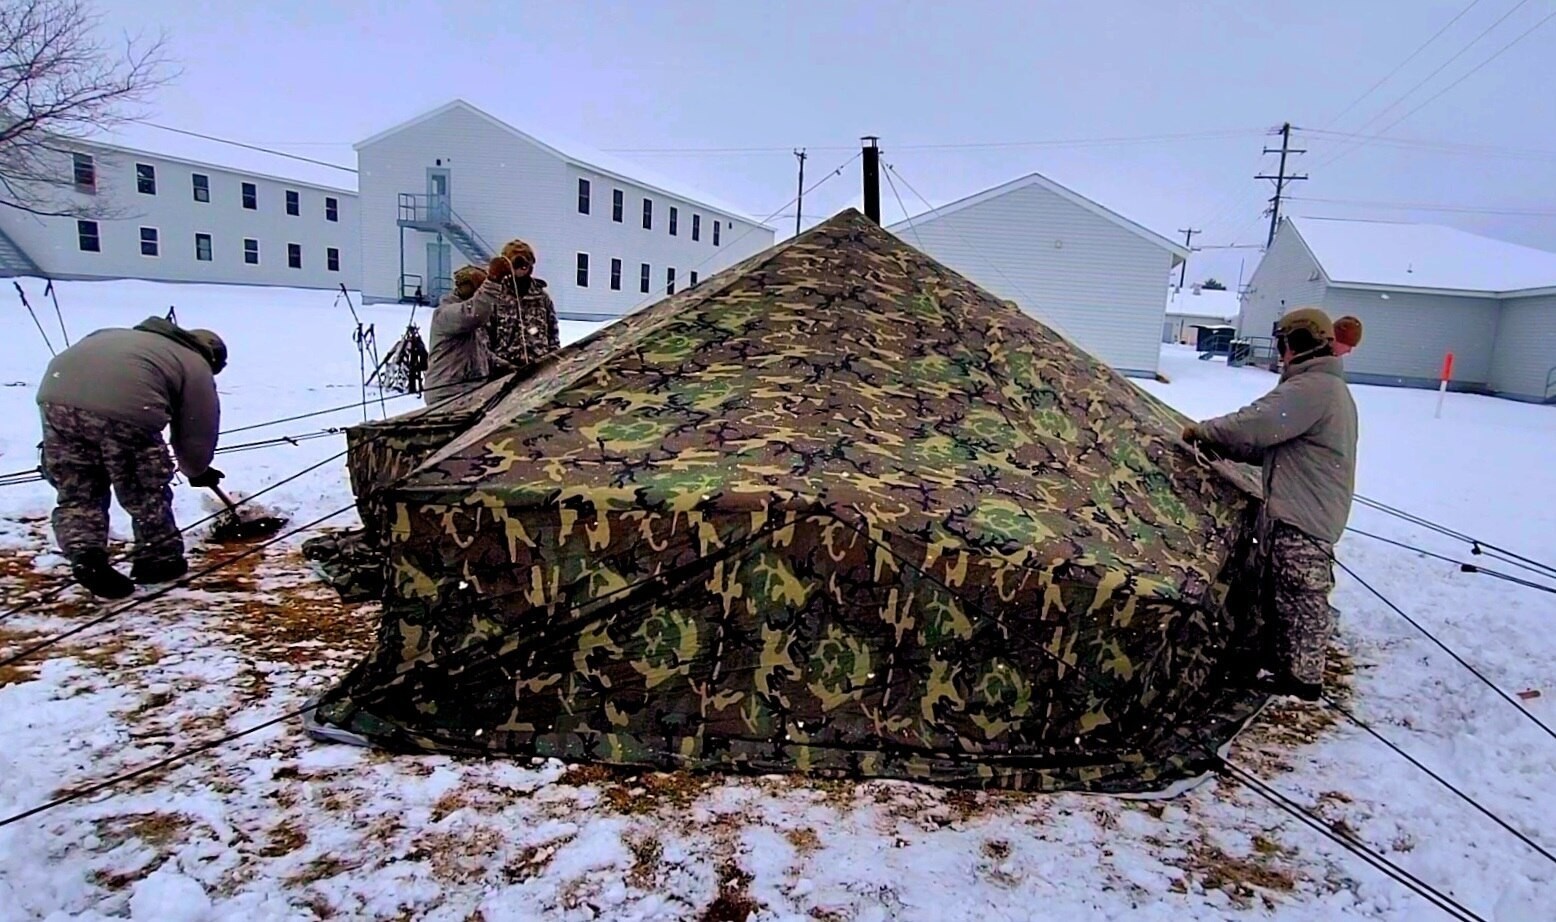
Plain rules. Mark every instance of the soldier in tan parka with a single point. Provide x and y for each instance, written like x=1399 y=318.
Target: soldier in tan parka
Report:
x=523 y=328
x=1303 y=434
x=459 y=356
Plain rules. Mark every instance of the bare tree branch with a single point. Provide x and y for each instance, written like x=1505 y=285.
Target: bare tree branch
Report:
x=60 y=82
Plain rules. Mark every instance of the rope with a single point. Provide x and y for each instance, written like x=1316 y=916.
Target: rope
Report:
x=1477 y=546
x=1463 y=567
x=164 y=590
x=1355 y=846
x=1444 y=647
x=1519 y=834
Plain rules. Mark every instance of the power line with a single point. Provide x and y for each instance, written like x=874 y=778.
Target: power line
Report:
x=1451 y=147
x=1400 y=66
x=963 y=145
x=1427 y=206
x=255 y=147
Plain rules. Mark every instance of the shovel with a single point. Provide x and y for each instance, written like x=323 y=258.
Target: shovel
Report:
x=232 y=527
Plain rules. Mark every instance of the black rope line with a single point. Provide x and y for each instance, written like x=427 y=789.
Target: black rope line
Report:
x=1463 y=567
x=1477 y=546
x=1355 y=846
x=1444 y=647
x=1376 y=734
x=158 y=593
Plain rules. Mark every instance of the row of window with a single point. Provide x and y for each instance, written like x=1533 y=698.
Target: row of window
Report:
x=89 y=238
x=645 y=276
x=618 y=205
x=85 y=170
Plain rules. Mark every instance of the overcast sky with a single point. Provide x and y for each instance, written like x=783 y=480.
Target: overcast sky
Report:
x=313 y=77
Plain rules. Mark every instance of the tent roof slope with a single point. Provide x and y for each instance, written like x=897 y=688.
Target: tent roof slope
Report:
x=846 y=372
x=1431 y=256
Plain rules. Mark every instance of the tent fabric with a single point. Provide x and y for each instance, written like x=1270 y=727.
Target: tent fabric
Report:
x=836 y=510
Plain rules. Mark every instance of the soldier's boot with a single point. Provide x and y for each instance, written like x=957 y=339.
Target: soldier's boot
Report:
x=93 y=571
x=163 y=570
x=1287 y=685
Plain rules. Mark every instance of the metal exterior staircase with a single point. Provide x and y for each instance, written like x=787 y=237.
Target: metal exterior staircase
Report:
x=14 y=260
x=435 y=215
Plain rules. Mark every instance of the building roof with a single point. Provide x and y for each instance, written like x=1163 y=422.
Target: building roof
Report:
x=1203 y=302
x=1178 y=251
x=582 y=156
x=230 y=158
x=1383 y=254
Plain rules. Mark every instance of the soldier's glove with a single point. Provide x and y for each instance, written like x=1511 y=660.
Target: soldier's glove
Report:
x=210 y=478
x=1191 y=433
x=499 y=268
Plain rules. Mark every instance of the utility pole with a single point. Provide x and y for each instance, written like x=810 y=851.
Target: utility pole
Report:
x=1188 y=244
x=799 y=207
x=1280 y=178
x=872 y=178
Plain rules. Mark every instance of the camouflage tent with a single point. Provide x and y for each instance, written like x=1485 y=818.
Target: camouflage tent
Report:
x=835 y=510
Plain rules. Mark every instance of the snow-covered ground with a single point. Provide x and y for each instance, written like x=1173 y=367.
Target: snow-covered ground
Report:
x=274 y=826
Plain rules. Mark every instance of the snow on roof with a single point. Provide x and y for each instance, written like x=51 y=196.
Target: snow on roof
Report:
x=1396 y=255
x=583 y=156
x=1177 y=250
x=217 y=155
x=1204 y=302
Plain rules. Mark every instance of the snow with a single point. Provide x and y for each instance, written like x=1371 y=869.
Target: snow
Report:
x=1398 y=255
x=1203 y=302
x=276 y=826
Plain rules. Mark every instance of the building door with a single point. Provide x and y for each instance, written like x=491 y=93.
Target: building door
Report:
x=440 y=269
x=438 y=194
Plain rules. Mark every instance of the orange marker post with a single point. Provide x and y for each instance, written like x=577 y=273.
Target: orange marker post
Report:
x=1442 y=388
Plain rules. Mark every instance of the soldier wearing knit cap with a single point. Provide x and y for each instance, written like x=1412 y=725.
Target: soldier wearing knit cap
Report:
x=1303 y=435
x=459 y=357
x=523 y=329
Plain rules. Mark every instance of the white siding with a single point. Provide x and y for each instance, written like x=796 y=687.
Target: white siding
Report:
x=1525 y=348
x=1407 y=335
x=1283 y=281
x=503 y=187
x=1097 y=283
x=53 y=243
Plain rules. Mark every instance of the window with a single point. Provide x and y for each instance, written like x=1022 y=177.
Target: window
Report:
x=250 y=196
x=648 y=214
x=583 y=270
x=583 y=196
x=202 y=187
x=203 y=247
x=251 y=251
x=294 y=203
x=294 y=255
x=670 y=281
x=617 y=201
x=696 y=226
x=694 y=278
x=715 y=233
x=85 y=170
x=146 y=178
x=675 y=220
x=86 y=237
x=332 y=259
x=148 y=242
x=331 y=208
x=643 y=282
x=615 y=275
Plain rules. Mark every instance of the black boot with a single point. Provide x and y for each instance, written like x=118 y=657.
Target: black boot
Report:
x=93 y=571
x=158 y=571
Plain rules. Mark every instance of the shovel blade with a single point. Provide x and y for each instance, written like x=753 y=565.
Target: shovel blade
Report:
x=231 y=528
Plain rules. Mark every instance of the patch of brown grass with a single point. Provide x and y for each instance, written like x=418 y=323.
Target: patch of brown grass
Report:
x=283 y=840
x=647 y=858
x=320 y=868
x=805 y=841
x=733 y=903
x=456 y=858
x=156 y=829
x=1242 y=879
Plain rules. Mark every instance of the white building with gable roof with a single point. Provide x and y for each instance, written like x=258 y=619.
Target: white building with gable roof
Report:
x=1420 y=291
x=451 y=186
x=1094 y=276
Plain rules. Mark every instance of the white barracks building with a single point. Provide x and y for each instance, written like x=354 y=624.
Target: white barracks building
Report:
x=447 y=188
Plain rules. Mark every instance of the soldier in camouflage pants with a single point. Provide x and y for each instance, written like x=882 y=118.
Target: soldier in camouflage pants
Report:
x=1301 y=576
x=84 y=454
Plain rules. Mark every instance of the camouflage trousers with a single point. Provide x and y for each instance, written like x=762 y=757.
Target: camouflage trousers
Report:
x=1301 y=576
x=83 y=455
